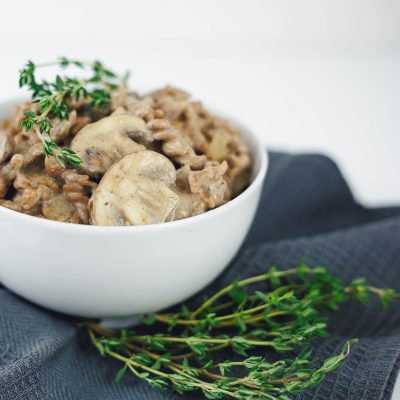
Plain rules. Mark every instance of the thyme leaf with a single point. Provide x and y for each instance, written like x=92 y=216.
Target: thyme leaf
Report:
x=54 y=100
x=283 y=310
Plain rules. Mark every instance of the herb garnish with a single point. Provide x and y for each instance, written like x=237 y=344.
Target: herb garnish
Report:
x=285 y=317
x=54 y=100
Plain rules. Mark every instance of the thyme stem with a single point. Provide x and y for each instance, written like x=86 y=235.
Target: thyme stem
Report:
x=54 y=99
x=286 y=316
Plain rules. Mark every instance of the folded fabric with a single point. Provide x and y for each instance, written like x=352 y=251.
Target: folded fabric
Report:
x=307 y=212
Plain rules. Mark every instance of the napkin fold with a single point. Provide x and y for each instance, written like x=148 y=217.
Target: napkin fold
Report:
x=306 y=212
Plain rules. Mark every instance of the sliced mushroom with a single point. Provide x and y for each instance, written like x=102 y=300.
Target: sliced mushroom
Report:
x=6 y=146
x=135 y=191
x=102 y=143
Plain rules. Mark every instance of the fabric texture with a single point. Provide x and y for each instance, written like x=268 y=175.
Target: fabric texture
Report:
x=306 y=211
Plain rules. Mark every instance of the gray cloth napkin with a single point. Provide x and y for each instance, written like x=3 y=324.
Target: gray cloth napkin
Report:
x=307 y=211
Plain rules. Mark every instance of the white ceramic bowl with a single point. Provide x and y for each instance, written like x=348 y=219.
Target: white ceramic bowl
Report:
x=105 y=272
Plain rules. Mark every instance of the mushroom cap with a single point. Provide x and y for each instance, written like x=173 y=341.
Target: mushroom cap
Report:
x=6 y=146
x=102 y=143
x=135 y=191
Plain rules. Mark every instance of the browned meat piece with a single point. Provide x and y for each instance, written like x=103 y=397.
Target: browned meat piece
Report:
x=183 y=113
x=20 y=116
x=11 y=205
x=61 y=129
x=182 y=178
x=171 y=101
x=192 y=128
x=175 y=144
x=209 y=183
x=227 y=144
x=80 y=123
x=218 y=149
x=131 y=104
x=24 y=141
x=199 y=191
x=58 y=208
x=9 y=172
x=51 y=166
x=162 y=127
x=34 y=153
x=6 y=146
x=189 y=204
x=6 y=125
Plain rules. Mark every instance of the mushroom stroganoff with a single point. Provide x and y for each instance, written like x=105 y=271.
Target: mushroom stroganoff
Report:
x=144 y=159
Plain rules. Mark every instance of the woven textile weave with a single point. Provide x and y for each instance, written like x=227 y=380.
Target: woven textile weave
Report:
x=307 y=211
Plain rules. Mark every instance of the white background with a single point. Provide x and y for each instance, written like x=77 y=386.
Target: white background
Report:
x=305 y=75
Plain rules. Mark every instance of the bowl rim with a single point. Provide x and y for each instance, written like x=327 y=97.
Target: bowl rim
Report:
x=259 y=148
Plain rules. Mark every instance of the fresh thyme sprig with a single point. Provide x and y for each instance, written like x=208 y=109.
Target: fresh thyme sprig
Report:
x=284 y=312
x=54 y=99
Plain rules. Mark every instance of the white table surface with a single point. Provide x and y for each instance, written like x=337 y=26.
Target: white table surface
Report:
x=306 y=76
